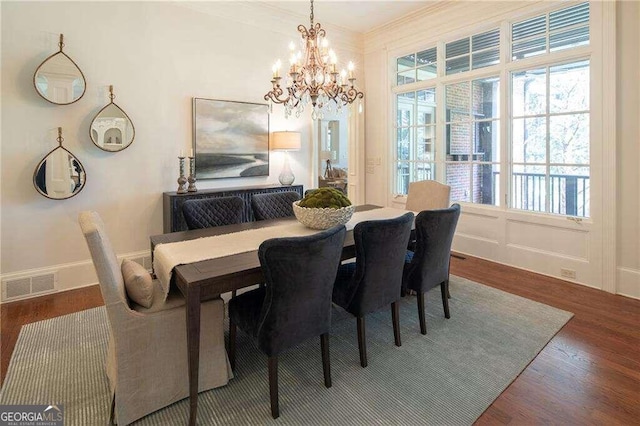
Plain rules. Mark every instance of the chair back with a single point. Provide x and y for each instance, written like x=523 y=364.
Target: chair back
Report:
x=427 y=195
x=210 y=212
x=299 y=274
x=273 y=205
x=104 y=259
x=380 y=254
x=434 y=235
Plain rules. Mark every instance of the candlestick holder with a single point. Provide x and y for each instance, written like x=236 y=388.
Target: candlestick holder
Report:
x=181 y=180
x=192 y=177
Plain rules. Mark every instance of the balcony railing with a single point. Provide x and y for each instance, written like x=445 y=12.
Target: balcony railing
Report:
x=568 y=194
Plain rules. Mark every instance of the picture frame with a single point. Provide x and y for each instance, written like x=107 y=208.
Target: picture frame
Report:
x=230 y=139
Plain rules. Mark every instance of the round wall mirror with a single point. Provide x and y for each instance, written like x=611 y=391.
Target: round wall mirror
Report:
x=60 y=175
x=112 y=129
x=58 y=79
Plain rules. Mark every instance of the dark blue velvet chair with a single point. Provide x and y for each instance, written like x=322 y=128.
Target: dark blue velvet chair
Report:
x=273 y=205
x=295 y=304
x=210 y=212
x=375 y=279
x=428 y=266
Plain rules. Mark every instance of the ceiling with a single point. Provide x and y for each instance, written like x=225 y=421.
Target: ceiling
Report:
x=356 y=15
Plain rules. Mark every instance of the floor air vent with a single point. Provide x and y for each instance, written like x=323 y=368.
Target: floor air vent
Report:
x=21 y=287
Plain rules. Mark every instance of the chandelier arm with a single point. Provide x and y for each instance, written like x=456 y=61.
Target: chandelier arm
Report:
x=303 y=30
x=275 y=95
x=351 y=95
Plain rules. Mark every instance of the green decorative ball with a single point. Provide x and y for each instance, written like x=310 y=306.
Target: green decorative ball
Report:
x=325 y=198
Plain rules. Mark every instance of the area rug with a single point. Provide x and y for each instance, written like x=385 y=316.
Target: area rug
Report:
x=449 y=376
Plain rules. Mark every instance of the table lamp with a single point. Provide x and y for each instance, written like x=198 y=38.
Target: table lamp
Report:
x=286 y=141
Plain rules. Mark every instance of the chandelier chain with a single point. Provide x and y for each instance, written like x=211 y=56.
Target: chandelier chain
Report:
x=311 y=17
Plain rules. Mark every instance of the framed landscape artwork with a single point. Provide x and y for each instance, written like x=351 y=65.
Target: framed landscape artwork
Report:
x=231 y=139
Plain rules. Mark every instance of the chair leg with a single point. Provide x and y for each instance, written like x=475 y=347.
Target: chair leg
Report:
x=232 y=344
x=273 y=386
x=395 y=318
x=421 y=316
x=234 y=293
x=112 y=410
x=444 y=289
x=326 y=360
x=362 y=342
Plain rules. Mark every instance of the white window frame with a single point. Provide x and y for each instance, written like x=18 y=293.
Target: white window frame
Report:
x=504 y=70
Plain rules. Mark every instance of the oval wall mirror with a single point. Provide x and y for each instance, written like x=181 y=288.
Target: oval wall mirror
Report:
x=60 y=175
x=58 y=79
x=111 y=128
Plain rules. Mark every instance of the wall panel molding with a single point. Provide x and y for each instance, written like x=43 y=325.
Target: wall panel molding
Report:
x=628 y=282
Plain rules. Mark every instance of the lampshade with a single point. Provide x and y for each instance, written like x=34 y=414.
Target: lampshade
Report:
x=285 y=141
x=328 y=155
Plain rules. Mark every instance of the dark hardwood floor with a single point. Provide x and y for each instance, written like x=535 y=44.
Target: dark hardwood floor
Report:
x=589 y=373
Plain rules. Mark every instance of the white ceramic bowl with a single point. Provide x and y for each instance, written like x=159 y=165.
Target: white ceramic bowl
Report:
x=322 y=218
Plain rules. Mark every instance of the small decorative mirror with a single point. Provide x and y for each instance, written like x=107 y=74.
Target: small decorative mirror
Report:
x=112 y=129
x=59 y=175
x=58 y=79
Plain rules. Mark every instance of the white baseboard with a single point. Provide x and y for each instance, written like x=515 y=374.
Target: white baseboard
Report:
x=628 y=282
x=82 y=274
x=68 y=275
x=525 y=268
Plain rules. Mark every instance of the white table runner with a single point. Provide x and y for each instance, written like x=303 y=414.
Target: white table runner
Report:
x=169 y=255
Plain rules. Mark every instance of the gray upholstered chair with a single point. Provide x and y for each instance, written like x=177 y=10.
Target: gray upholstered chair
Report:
x=295 y=305
x=210 y=212
x=273 y=205
x=428 y=266
x=427 y=195
x=147 y=354
x=375 y=279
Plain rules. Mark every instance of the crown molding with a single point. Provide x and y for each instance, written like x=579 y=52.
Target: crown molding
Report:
x=267 y=17
x=442 y=18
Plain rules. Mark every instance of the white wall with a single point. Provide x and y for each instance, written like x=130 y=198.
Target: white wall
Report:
x=541 y=243
x=158 y=56
x=628 y=147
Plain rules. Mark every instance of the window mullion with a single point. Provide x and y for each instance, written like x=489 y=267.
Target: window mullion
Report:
x=441 y=137
x=505 y=117
x=547 y=201
x=471 y=130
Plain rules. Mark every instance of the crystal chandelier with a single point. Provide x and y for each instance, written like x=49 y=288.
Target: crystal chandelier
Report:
x=313 y=77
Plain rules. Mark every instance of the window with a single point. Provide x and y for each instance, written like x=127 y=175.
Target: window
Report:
x=550 y=139
x=545 y=135
x=562 y=29
x=478 y=51
x=473 y=140
x=418 y=66
x=415 y=136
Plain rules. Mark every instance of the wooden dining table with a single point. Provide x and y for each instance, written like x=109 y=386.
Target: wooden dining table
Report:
x=208 y=279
